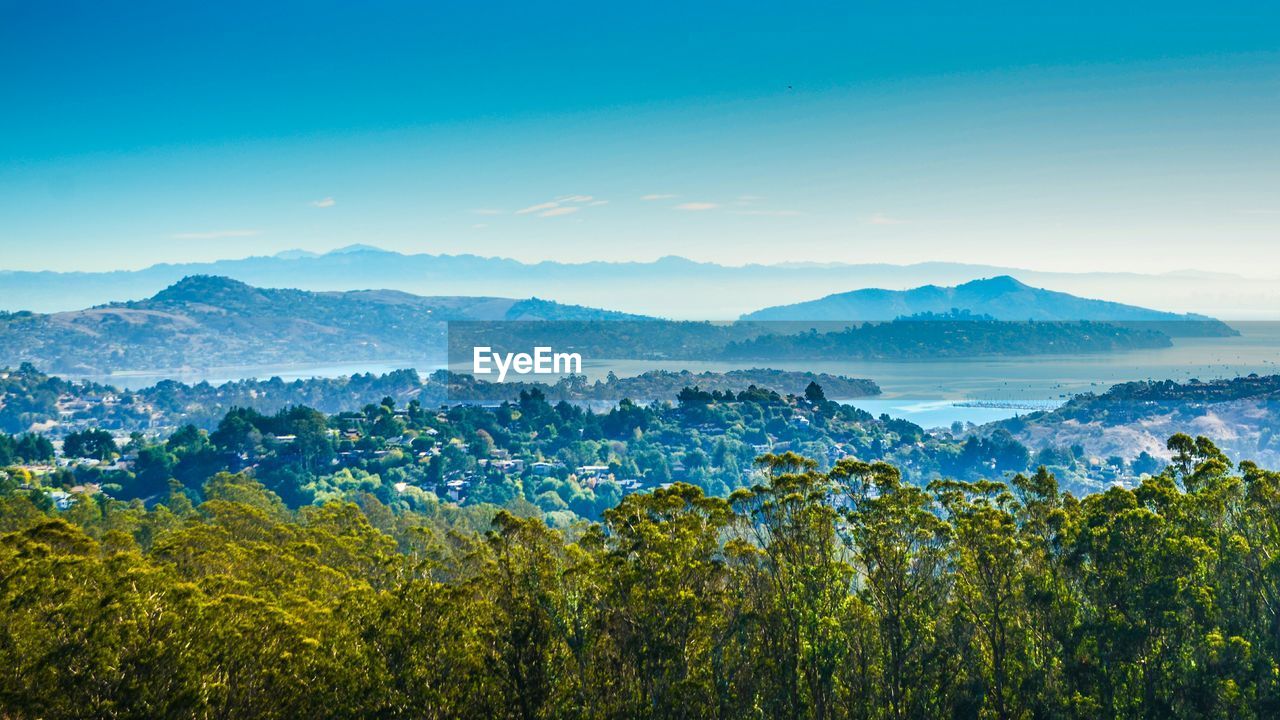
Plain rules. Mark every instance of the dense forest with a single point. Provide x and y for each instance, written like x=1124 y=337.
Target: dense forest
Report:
x=573 y=459
x=203 y=404
x=844 y=593
x=29 y=397
x=569 y=461
x=730 y=554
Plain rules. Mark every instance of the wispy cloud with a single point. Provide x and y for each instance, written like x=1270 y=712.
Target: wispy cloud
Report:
x=657 y=196
x=563 y=205
x=538 y=208
x=696 y=206
x=327 y=202
x=882 y=219
x=558 y=211
x=748 y=199
x=215 y=234
x=770 y=213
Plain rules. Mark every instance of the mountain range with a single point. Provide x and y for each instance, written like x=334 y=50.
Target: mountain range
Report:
x=671 y=287
x=211 y=322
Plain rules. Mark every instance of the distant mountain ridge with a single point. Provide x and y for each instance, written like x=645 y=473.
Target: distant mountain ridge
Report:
x=1001 y=297
x=205 y=321
x=233 y=295
x=672 y=287
x=209 y=321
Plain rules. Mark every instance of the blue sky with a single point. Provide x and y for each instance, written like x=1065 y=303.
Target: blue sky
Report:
x=1145 y=139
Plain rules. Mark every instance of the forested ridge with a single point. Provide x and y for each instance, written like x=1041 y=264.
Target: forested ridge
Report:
x=949 y=335
x=208 y=322
x=844 y=593
x=29 y=397
x=1242 y=414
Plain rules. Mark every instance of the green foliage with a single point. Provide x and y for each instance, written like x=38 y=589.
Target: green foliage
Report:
x=843 y=592
x=565 y=459
x=95 y=444
x=29 y=448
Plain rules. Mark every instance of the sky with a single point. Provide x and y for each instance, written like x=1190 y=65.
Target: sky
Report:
x=1018 y=134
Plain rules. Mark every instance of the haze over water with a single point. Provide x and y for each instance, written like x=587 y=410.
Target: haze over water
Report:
x=929 y=392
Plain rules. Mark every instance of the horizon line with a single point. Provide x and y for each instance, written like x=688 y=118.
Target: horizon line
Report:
x=303 y=255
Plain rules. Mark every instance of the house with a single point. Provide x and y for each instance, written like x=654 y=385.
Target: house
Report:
x=37 y=468
x=62 y=500
x=837 y=452
x=508 y=466
x=123 y=463
x=457 y=489
x=592 y=474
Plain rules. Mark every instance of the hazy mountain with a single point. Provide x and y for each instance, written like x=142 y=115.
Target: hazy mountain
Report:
x=208 y=321
x=1001 y=297
x=205 y=322
x=669 y=287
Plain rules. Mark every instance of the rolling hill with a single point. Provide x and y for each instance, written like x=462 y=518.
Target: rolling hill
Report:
x=208 y=321
x=1241 y=415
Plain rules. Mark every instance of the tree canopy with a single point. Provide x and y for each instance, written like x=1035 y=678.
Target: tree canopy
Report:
x=837 y=592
